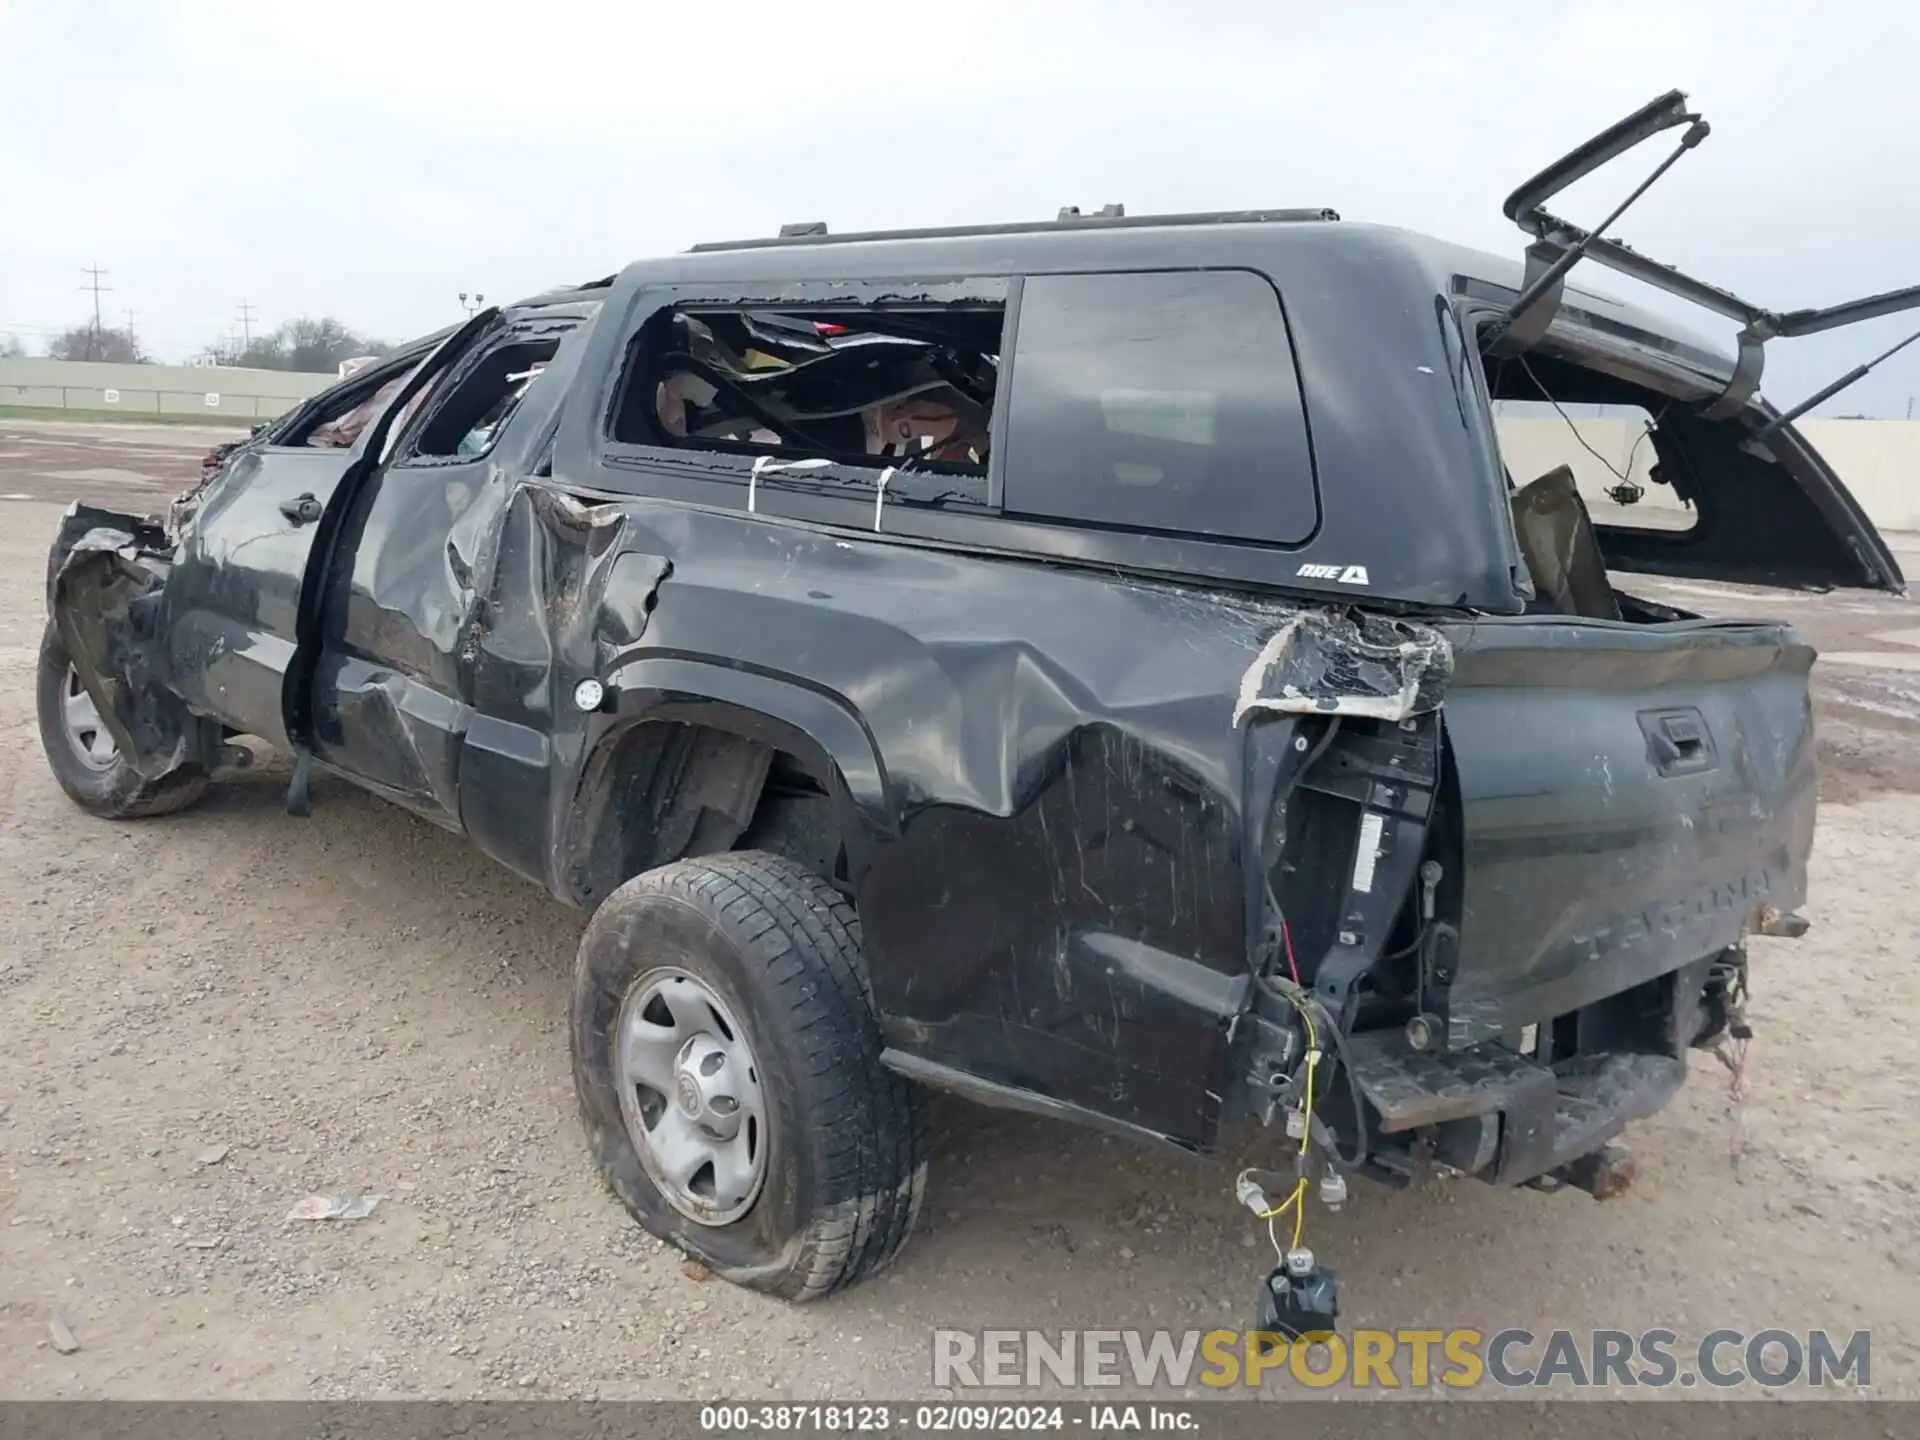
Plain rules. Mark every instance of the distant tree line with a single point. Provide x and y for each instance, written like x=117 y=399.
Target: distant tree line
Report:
x=83 y=342
x=313 y=345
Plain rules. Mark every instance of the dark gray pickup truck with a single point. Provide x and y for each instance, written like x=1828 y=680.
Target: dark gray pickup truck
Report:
x=1101 y=667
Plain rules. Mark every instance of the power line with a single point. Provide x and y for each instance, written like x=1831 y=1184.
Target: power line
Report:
x=94 y=272
x=246 y=325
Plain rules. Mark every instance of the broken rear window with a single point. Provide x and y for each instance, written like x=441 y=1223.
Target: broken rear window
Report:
x=889 y=386
x=1610 y=448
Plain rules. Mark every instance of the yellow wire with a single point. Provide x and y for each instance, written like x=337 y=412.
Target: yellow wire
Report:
x=1280 y=1209
x=1306 y=1131
x=1292 y=1202
x=1296 y=1201
x=1313 y=1063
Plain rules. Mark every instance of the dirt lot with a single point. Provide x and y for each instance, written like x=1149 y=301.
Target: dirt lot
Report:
x=207 y=1017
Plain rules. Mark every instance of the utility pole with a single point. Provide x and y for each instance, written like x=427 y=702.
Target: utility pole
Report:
x=246 y=326
x=94 y=272
x=133 y=345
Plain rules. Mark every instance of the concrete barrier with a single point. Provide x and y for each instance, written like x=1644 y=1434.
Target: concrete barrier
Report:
x=1878 y=459
x=212 y=392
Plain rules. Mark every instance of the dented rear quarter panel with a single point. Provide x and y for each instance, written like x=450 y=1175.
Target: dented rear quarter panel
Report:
x=1041 y=775
x=1036 y=771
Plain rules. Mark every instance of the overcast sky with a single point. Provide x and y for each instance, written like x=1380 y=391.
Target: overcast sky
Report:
x=371 y=158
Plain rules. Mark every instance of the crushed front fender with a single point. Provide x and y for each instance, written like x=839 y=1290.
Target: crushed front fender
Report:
x=105 y=576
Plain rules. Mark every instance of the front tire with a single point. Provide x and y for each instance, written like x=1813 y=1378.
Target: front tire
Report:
x=82 y=755
x=727 y=1065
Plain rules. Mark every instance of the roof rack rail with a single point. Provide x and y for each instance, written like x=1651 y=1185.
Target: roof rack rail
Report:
x=1109 y=217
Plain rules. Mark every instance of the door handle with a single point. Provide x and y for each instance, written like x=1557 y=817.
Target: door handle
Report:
x=301 y=510
x=1678 y=740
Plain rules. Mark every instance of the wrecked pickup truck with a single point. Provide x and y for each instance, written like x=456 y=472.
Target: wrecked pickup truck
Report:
x=1100 y=667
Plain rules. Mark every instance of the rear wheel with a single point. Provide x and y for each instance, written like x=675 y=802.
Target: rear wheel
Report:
x=728 y=1071
x=82 y=754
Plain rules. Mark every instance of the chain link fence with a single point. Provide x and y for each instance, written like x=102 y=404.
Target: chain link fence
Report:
x=216 y=394
x=212 y=405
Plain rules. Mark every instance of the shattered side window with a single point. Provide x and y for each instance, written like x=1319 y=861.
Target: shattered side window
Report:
x=465 y=425
x=342 y=420
x=905 y=387
x=1160 y=401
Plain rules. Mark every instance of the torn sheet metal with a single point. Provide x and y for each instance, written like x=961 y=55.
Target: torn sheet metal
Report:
x=105 y=576
x=1327 y=662
x=571 y=574
x=563 y=587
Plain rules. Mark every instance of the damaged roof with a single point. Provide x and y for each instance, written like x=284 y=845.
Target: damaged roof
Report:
x=1285 y=247
x=1328 y=250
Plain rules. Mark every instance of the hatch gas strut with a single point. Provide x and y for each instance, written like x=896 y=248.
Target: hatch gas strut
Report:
x=1560 y=244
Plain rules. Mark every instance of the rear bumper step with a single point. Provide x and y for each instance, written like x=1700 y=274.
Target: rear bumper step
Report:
x=1545 y=1118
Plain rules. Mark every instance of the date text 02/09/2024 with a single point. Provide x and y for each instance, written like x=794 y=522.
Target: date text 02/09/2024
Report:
x=941 y=1418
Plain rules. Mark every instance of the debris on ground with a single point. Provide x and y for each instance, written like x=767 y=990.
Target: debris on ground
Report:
x=262 y=1304
x=695 y=1271
x=213 y=1155
x=350 y=1205
x=62 y=1337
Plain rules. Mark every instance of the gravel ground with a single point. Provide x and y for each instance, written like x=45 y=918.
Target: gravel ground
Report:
x=205 y=1018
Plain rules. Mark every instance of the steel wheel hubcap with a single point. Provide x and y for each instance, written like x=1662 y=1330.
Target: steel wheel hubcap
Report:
x=690 y=1095
x=86 y=736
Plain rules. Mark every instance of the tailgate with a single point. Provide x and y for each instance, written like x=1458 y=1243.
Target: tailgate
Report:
x=1630 y=796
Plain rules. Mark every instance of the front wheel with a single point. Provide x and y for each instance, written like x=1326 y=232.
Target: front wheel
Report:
x=82 y=755
x=728 y=1071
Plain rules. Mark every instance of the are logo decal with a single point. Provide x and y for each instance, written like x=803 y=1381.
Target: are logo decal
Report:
x=1343 y=574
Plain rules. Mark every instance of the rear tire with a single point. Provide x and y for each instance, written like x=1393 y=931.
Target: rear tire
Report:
x=81 y=754
x=776 y=952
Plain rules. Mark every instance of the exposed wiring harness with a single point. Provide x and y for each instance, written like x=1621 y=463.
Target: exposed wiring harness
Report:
x=1296 y=1201
x=1318 y=1024
x=1292 y=991
x=1316 y=1021
x=1730 y=1049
